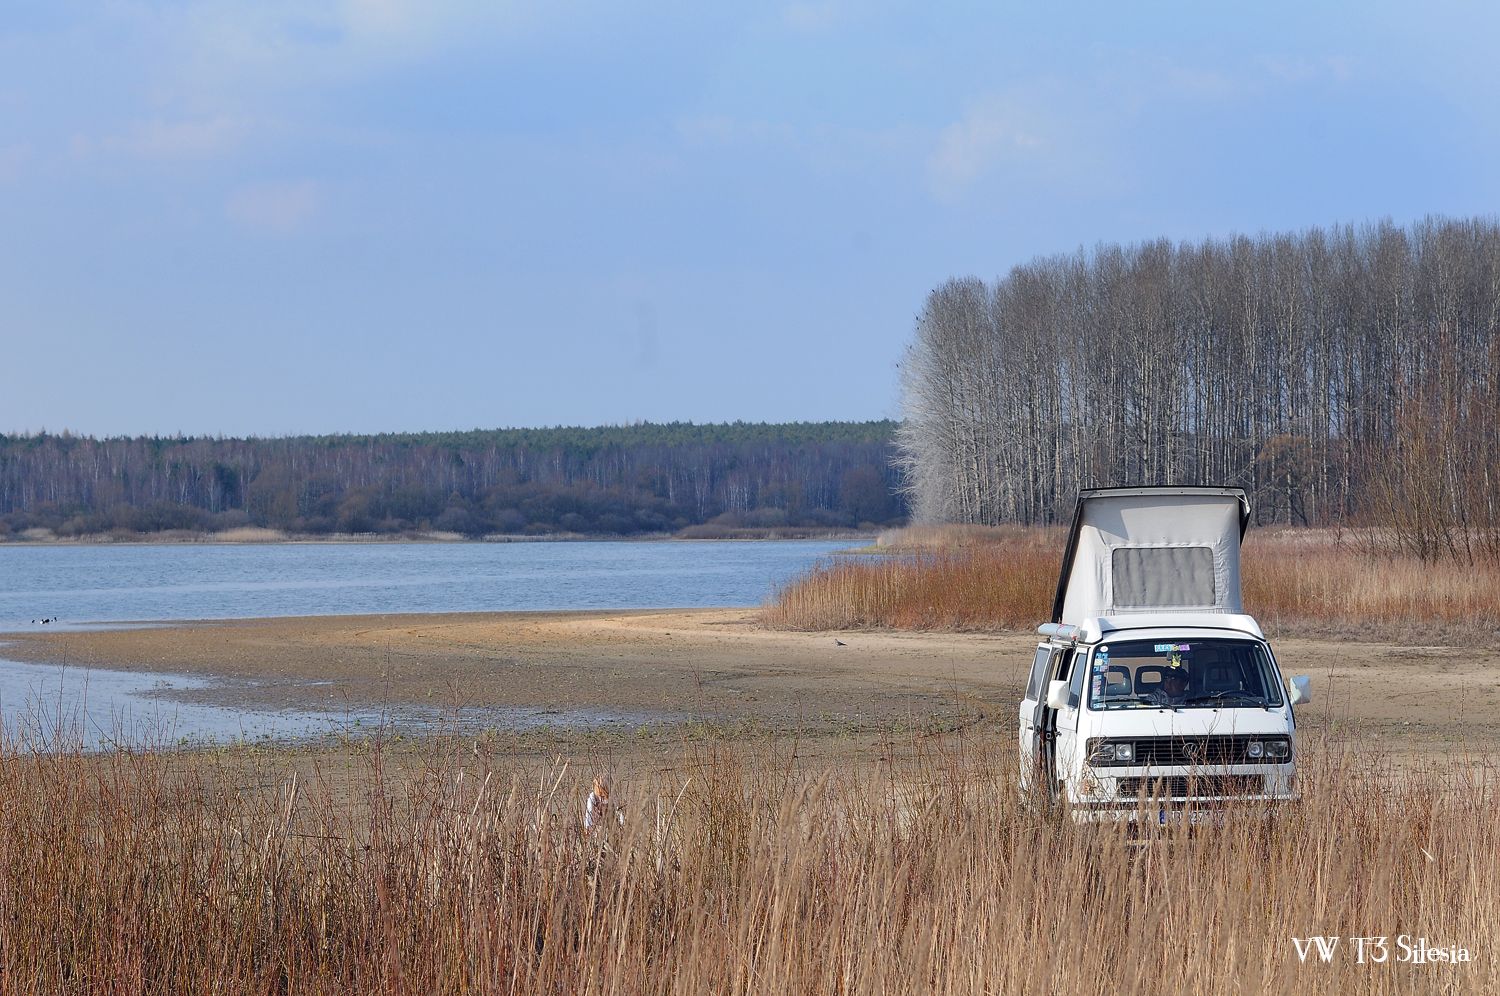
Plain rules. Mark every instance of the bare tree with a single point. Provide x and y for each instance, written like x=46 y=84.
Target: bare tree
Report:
x=1292 y=365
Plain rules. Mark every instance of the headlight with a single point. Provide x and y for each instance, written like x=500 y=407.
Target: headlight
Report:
x=1279 y=749
x=1107 y=752
x=1256 y=749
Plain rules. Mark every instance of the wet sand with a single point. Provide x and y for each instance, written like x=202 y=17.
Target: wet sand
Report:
x=720 y=667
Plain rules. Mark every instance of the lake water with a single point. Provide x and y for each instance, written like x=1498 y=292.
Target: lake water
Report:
x=93 y=584
x=48 y=707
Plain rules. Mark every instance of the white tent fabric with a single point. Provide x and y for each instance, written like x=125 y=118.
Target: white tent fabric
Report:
x=1153 y=550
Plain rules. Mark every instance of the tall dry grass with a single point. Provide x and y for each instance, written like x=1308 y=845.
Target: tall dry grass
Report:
x=1315 y=581
x=1324 y=580
x=739 y=874
x=933 y=579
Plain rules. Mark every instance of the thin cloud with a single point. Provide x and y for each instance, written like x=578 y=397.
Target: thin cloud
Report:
x=1081 y=133
x=163 y=139
x=990 y=135
x=1202 y=84
x=721 y=129
x=813 y=16
x=401 y=18
x=13 y=160
x=277 y=208
x=279 y=42
x=826 y=148
x=1290 y=69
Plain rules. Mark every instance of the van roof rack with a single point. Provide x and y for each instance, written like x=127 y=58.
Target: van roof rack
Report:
x=1093 y=630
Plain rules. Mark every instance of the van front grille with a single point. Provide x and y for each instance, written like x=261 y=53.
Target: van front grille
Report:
x=1190 y=786
x=1217 y=750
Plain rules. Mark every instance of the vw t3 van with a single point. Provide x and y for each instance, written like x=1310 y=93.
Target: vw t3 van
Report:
x=1152 y=694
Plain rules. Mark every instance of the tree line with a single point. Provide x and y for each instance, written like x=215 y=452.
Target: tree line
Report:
x=617 y=480
x=1343 y=375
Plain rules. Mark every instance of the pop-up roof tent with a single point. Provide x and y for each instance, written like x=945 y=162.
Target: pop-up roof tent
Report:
x=1158 y=549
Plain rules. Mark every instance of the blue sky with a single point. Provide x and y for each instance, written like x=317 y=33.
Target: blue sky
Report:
x=390 y=215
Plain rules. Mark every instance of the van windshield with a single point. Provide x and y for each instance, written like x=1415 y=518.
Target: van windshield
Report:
x=1181 y=673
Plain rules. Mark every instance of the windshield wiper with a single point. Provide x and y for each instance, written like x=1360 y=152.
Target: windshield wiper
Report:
x=1110 y=700
x=1141 y=700
x=1232 y=693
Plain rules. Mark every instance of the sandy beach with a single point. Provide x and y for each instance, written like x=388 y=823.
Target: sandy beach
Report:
x=722 y=667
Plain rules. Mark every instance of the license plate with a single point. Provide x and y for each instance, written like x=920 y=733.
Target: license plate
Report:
x=1195 y=818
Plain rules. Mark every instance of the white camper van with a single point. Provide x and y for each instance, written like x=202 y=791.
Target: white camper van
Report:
x=1152 y=692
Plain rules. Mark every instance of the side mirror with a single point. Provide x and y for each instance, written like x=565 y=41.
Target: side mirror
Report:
x=1057 y=695
x=1301 y=689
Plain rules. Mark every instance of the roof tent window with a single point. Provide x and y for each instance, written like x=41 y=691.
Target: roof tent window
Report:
x=1163 y=577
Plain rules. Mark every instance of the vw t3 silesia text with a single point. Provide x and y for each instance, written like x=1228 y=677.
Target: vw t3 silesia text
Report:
x=1378 y=950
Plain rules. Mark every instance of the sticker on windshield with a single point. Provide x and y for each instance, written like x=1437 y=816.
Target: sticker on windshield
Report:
x=1168 y=648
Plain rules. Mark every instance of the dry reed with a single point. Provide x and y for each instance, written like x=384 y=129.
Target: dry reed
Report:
x=1319 y=579
x=741 y=874
x=1002 y=582
x=1294 y=580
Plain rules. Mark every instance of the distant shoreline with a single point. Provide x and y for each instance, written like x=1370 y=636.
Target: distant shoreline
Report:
x=276 y=537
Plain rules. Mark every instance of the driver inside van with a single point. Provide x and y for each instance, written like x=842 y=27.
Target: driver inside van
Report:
x=1174 y=684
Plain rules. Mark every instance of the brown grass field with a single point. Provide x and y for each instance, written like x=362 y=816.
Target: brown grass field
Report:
x=837 y=817
x=738 y=870
x=1303 y=581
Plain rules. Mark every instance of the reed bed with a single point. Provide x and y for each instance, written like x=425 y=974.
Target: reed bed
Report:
x=1319 y=579
x=929 y=538
x=1002 y=581
x=737 y=872
x=1303 y=580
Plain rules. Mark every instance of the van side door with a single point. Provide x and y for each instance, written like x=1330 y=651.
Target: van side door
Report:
x=1046 y=735
x=1066 y=721
x=1033 y=711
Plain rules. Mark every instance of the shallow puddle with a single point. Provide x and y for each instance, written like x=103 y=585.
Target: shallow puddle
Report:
x=48 y=707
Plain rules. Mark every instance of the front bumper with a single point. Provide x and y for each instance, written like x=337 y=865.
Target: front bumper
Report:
x=1197 y=814
x=1143 y=789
